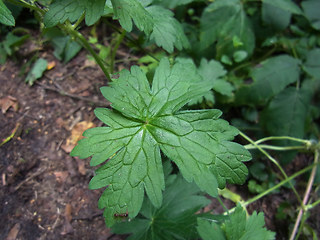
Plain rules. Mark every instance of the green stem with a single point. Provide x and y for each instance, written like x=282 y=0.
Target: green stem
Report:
x=83 y=41
x=306 y=195
x=275 y=162
x=222 y=204
x=282 y=138
x=114 y=51
x=77 y=23
x=268 y=191
x=25 y=4
x=276 y=148
x=316 y=203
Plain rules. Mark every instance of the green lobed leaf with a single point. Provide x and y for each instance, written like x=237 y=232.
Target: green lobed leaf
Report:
x=222 y=22
x=239 y=227
x=146 y=121
x=286 y=5
x=62 y=10
x=269 y=78
x=311 y=11
x=127 y=11
x=6 y=17
x=174 y=219
x=167 y=32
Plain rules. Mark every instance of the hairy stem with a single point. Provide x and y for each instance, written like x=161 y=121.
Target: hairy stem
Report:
x=306 y=195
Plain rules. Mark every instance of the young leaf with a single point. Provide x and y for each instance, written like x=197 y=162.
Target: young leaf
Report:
x=270 y=78
x=6 y=15
x=167 y=31
x=286 y=5
x=147 y=120
x=222 y=22
x=62 y=10
x=127 y=11
x=238 y=227
x=174 y=219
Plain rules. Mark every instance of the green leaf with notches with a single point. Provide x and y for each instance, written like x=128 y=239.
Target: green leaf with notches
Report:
x=128 y=11
x=146 y=120
x=62 y=10
x=167 y=32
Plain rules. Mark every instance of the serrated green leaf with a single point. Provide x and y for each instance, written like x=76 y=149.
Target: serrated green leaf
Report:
x=270 y=78
x=221 y=22
x=127 y=11
x=286 y=113
x=237 y=227
x=286 y=5
x=175 y=219
x=6 y=15
x=312 y=64
x=240 y=228
x=311 y=11
x=147 y=121
x=167 y=31
x=37 y=70
x=209 y=231
x=62 y=10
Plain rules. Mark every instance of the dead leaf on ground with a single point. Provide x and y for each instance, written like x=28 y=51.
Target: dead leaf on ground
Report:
x=7 y=102
x=76 y=135
x=61 y=176
x=14 y=232
x=82 y=86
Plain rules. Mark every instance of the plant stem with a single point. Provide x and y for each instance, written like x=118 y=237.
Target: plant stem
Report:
x=83 y=41
x=276 y=148
x=282 y=138
x=306 y=195
x=114 y=51
x=268 y=191
x=275 y=162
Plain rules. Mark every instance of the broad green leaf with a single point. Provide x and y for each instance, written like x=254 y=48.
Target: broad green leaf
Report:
x=175 y=219
x=146 y=121
x=127 y=11
x=36 y=72
x=287 y=113
x=269 y=78
x=6 y=15
x=167 y=32
x=311 y=11
x=286 y=5
x=172 y=3
x=275 y=17
x=222 y=22
x=312 y=64
x=62 y=10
